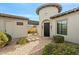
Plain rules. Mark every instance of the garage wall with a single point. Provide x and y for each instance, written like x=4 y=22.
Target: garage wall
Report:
x=21 y=31
x=2 y=27
x=10 y=25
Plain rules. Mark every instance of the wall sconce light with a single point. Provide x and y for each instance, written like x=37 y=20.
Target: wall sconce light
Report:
x=42 y=26
x=51 y=27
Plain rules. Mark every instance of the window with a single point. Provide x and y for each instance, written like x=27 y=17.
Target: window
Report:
x=62 y=27
x=19 y=23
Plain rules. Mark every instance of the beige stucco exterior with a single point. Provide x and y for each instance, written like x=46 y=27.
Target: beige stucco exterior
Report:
x=10 y=26
x=44 y=16
x=72 y=27
x=72 y=23
x=45 y=13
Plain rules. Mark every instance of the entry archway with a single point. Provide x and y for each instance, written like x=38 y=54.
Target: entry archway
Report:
x=46 y=28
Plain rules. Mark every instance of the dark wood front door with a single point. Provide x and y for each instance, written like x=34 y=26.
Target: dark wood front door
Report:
x=46 y=29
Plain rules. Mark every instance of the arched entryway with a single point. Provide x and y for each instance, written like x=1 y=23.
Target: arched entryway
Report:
x=47 y=29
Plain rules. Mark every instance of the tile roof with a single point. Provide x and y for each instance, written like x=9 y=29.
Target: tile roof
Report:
x=48 y=5
x=13 y=16
x=65 y=13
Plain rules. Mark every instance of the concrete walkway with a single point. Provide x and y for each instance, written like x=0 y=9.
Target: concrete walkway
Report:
x=32 y=48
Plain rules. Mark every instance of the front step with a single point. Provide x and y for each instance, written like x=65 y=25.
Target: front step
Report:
x=45 y=37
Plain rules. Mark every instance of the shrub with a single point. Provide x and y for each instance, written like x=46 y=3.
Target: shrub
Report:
x=61 y=49
x=3 y=39
x=32 y=30
x=58 y=39
x=9 y=38
x=22 y=41
x=47 y=49
x=64 y=49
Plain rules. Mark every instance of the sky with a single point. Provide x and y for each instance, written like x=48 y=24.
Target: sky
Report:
x=29 y=9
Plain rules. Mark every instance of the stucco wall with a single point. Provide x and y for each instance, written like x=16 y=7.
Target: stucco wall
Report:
x=13 y=29
x=2 y=29
x=44 y=14
x=73 y=32
x=73 y=28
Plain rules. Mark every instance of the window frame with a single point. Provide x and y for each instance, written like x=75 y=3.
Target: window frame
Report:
x=19 y=23
x=61 y=29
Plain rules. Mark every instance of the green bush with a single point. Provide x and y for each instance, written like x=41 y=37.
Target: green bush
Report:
x=58 y=39
x=3 y=39
x=9 y=38
x=64 y=49
x=22 y=41
x=61 y=49
x=47 y=49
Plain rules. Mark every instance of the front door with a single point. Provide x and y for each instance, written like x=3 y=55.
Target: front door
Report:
x=46 y=29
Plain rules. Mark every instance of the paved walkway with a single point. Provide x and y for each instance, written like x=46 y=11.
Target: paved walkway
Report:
x=32 y=48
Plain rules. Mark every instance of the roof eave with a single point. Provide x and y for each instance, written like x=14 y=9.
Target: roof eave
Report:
x=48 y=5
x=65 y=13
x=13 y=16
